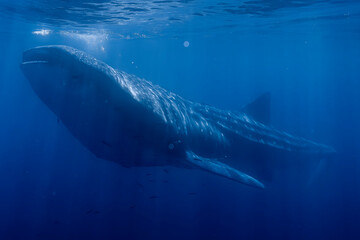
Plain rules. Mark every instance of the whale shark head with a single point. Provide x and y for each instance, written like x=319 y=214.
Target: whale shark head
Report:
x=62 y=75
x=71 y=82
x=93 y=100
x=83 y=92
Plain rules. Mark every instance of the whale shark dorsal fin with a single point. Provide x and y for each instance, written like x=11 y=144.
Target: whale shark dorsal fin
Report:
x=219 y=168
x=259 y=109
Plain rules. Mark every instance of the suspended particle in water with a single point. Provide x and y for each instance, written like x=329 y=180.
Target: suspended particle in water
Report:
x=186 y=44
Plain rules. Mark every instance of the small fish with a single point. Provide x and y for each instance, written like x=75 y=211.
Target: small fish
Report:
x=153 y=197
x=165 y=170
x=132 y=206
x=192 y=193
x=165 y=181
x=139 y=185
x=151 y=180
x=198 y=14
x=174 y=19
x=106 y=143
x=149 y=174
x=76 y=77
x=92 y=211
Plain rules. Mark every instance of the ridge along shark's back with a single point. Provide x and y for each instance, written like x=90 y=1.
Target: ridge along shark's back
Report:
x=126 y=119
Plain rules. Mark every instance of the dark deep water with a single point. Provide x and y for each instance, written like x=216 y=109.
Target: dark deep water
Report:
x=306 y=53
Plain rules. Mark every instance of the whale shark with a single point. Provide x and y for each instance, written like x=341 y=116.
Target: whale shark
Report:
x=128 y=120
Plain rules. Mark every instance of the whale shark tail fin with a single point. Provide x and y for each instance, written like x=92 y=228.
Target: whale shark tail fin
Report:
x=259 y=109
x=219 y=168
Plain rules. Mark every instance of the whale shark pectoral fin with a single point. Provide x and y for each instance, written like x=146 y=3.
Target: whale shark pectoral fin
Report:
x=219 y=168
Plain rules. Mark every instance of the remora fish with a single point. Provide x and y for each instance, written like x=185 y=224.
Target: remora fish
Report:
x=128 y=120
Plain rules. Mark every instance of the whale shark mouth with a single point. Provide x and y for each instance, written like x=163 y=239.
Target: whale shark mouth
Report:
x=37 y=56
x=34 y=62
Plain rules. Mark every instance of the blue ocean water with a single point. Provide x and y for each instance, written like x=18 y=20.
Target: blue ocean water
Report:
x=222 y=53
